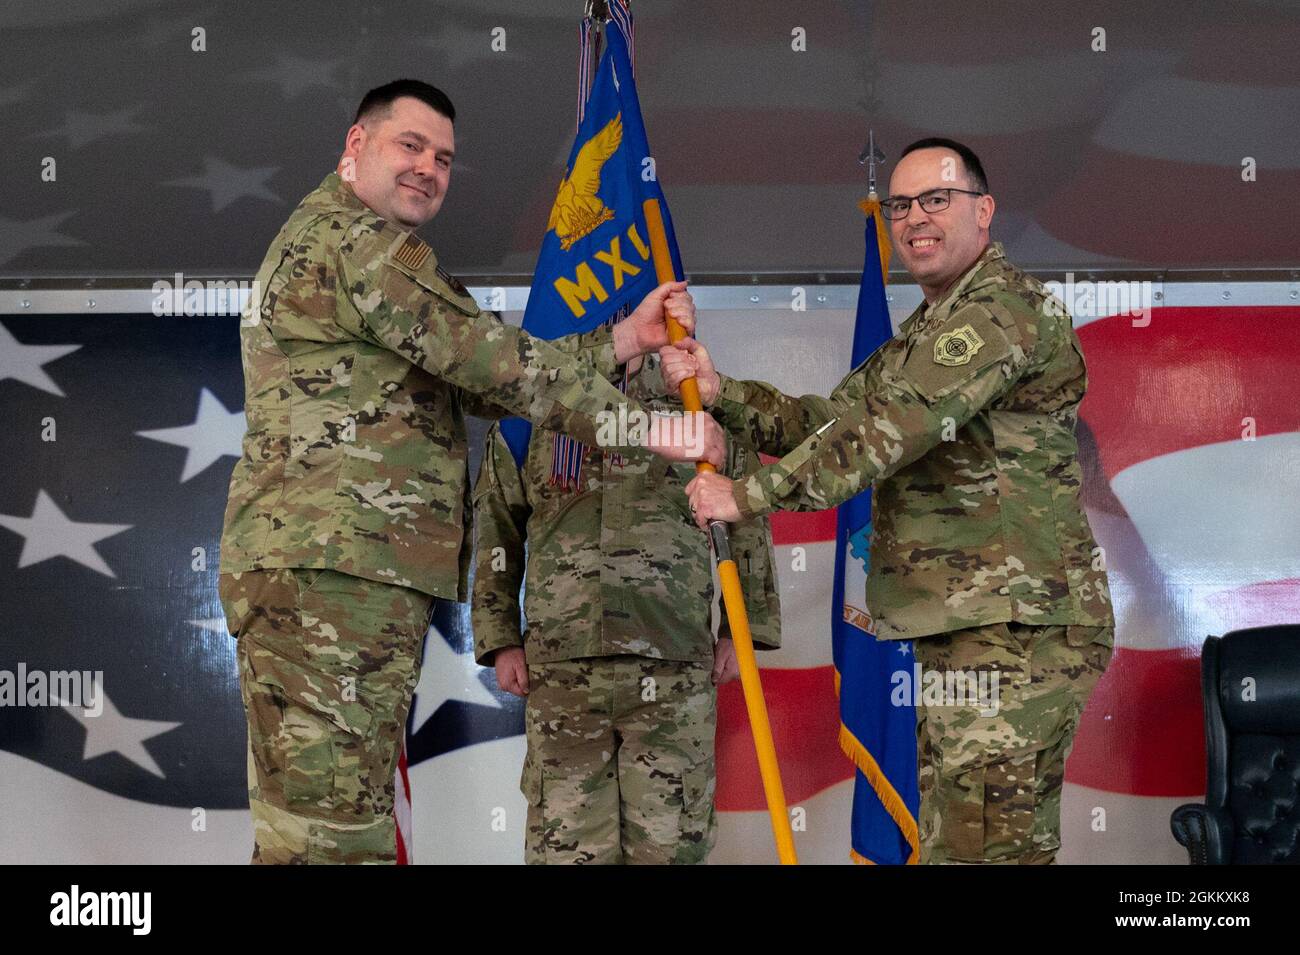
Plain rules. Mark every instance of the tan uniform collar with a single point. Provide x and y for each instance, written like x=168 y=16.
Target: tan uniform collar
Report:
x=340 y=194
x=991 y=261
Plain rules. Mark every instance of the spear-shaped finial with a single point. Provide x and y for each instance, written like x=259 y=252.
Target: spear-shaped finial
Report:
x=869 y=157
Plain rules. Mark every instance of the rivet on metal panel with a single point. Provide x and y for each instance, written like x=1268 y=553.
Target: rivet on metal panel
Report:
x=821 y=298
x=1226 y=295
x=27 y=304
x=90 y=303
x=754 y=299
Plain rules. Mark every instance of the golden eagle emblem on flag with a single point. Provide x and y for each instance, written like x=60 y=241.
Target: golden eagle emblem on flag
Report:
x=578 y=210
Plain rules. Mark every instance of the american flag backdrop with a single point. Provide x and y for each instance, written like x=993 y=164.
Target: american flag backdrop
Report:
x=120 y=435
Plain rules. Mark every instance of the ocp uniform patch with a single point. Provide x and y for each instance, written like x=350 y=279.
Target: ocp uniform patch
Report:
x=413 y=257
x=412 y=252
x=945 y=357
x=957 y=347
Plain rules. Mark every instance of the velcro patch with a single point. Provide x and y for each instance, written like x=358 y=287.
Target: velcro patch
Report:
x=412 y=252
x=941 y=361
x=957 y=347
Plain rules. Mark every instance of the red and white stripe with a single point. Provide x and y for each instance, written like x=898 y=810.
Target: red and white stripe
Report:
x=402 y=810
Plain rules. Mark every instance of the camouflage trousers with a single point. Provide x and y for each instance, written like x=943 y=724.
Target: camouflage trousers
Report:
x=620 y=761
x=327 y=666
x=991 y=775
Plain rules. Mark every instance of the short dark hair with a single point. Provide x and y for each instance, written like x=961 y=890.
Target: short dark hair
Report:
x=380 y=99
x=974 y=168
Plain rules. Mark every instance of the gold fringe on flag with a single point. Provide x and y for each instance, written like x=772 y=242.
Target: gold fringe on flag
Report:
x=850 y=744
x=885 y=791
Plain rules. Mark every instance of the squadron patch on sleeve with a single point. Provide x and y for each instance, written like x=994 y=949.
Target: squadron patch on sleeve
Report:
x=412 y=252
x=957 y=347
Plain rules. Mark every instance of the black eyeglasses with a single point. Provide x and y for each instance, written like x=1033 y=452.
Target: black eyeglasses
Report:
x=936 y=200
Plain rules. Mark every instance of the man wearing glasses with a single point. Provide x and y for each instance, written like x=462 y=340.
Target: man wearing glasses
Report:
x=963 y=426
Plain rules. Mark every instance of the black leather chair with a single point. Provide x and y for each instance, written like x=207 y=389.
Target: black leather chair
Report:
x=1250 y=683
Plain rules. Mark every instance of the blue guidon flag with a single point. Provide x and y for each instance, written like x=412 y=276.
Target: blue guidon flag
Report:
x=595 y=262
x=878 y=735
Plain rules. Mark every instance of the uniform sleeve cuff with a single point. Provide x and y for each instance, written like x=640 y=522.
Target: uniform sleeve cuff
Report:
x=484 y=652
x=729 y=389
x=729 y=407
x=745 y=503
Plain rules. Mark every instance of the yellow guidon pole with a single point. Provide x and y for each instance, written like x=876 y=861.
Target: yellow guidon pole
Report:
x=732 y=595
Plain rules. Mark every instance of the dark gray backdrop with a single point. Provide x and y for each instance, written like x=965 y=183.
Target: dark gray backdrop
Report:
x=171 y=159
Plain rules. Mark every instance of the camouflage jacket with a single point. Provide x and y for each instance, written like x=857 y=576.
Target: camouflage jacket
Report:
x=963 y=425
x=616 y=566
x=359 y=366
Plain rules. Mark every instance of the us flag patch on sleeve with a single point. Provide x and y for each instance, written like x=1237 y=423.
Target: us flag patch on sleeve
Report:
x=412 y=251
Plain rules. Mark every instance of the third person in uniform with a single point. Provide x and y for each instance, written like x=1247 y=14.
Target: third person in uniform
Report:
x=618 y=662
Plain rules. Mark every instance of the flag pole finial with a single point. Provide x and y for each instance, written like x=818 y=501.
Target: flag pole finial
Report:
x=870 y=157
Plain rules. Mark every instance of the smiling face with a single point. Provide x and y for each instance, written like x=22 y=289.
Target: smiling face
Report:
x=401 y=161
x=937 y=248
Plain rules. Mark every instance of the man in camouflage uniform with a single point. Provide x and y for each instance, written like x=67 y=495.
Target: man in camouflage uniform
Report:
x=963 y=425
x=618 y=664
x=347 y=511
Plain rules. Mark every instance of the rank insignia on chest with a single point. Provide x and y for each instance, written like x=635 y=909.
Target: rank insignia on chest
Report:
x=453 y=283
x=412 y=252
x=957 y=347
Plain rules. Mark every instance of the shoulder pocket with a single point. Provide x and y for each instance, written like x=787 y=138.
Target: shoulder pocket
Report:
x=950 y=355
x=429 y=277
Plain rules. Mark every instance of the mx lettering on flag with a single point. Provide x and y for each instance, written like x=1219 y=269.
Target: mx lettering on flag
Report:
x=595 y=263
